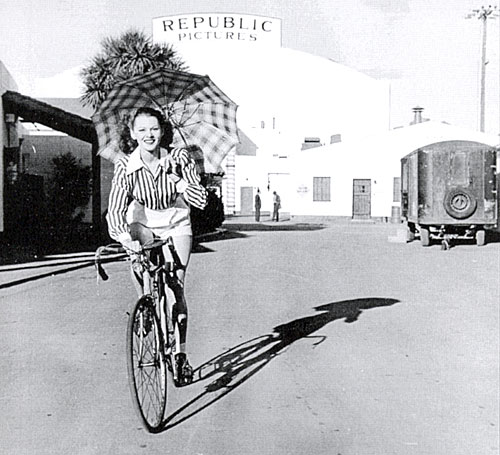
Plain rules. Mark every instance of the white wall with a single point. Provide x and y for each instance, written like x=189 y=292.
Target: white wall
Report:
x=293 y=178
x=332 y=161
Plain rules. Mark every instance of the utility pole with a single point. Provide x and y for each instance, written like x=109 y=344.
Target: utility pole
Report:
x=483 y=14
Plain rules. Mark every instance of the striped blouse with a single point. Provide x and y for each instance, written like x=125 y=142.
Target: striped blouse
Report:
x=133 y=180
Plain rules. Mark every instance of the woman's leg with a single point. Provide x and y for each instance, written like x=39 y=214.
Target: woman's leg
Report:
x=178 y=310
x=144 y=235
x=183 y=372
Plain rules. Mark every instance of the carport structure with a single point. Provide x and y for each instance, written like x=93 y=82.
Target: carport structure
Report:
x=33 y=110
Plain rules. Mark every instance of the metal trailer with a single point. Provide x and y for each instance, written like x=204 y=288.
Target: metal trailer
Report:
x=449 y=191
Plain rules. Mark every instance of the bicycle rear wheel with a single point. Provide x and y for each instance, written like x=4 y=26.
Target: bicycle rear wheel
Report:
x=147 y=375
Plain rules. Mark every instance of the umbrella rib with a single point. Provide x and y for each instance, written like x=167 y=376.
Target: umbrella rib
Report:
x=184 y=116
x=181 y=95
x=143 y=91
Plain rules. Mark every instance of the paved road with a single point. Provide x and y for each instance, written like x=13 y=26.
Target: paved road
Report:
x=327 y=341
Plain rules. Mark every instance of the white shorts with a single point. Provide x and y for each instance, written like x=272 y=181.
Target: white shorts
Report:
x=171 y=222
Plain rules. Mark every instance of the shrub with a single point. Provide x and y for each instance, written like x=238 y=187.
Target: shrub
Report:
x=208 y=220
x=68 y=194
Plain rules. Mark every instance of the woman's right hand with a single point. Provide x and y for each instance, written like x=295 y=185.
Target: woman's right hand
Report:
x=173 y=168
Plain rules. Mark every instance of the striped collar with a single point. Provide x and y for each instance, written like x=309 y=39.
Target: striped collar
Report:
x=135 y=162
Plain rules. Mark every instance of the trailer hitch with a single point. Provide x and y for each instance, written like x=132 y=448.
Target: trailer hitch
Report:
x=446 y=238
x=446 y=243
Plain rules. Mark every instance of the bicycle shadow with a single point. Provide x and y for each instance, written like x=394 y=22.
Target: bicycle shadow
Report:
x=236 y=365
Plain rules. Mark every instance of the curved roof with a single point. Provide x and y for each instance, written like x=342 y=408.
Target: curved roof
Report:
x=393 y=145
x=305 y=94
x=402 y=141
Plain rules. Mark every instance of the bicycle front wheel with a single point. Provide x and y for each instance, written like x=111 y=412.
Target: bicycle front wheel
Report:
x=147 y=375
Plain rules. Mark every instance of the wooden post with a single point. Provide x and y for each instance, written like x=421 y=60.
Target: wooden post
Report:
x=482 y=101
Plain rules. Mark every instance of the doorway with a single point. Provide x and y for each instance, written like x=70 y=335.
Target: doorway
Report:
x=246 y=199
x=361 y=199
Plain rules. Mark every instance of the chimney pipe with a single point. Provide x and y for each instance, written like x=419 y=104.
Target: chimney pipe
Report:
x=417 y=115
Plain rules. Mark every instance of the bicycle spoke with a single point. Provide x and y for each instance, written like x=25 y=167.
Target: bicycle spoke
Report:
x=150 y=390
x=147 y=367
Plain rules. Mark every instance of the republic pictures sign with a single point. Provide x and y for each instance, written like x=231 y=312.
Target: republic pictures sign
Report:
x=218 y=27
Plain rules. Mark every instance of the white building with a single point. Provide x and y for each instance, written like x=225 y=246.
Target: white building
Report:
x=283 y=96
x=363 y=174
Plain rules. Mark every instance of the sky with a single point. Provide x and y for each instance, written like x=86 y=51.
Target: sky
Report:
x=427 y=49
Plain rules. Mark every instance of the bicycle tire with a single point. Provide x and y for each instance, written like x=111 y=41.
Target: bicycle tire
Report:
x=147 y=374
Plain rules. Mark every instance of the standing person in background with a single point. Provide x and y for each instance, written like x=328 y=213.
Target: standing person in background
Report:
x=258 y=204
x=276 y=206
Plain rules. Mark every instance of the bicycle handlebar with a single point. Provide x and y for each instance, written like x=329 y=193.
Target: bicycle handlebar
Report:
x=112 y=248
x=118 y=248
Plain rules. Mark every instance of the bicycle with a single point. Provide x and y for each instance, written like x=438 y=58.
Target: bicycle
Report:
x=152 y=334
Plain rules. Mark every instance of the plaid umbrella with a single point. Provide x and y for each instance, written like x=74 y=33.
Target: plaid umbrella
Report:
x=202 y=116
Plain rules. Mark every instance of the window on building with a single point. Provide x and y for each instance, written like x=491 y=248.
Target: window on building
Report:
x=396 y=197
x=321 y=189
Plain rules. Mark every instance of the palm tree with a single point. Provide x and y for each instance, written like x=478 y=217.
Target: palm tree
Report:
x=131 y=54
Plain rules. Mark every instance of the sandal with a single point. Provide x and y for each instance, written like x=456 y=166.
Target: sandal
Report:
x=183 y=372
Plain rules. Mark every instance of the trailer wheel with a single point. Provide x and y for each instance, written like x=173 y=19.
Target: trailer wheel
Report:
x=460 y=203
x=425 y=238
x=480 y=237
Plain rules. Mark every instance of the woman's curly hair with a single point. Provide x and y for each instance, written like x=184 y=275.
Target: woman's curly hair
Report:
x=127 y=144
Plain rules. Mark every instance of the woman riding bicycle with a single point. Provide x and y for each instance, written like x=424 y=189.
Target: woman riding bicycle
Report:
x=151 y=189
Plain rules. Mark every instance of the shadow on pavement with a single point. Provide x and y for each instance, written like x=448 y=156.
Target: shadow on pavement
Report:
x=20 y=255
x=233 y=367
x=273 y=227
x=44 y=265
x=51 y=269
x=220 y=234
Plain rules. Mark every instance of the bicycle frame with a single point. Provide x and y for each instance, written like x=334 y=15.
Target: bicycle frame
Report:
x=154 y=276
